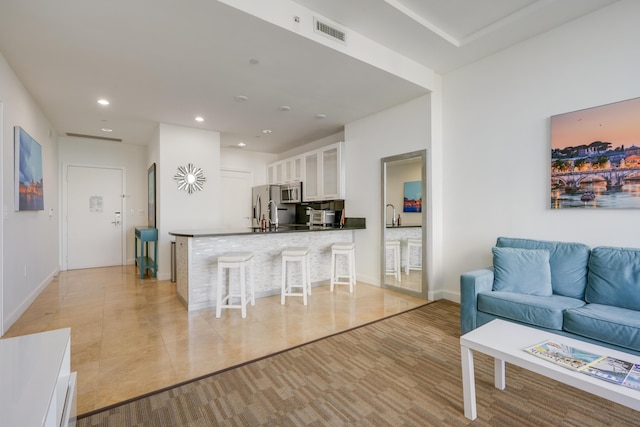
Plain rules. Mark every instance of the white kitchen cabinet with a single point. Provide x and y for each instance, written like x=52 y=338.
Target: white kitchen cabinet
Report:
x=297 y=168
x=310 y=183
x=275 y=173
x=321 y=172
x=324 y=174
x=285 y=171
x=37 y=387
x=331 y=176
x=271 y=173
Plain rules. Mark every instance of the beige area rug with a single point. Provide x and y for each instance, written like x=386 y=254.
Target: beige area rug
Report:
x=399 y=371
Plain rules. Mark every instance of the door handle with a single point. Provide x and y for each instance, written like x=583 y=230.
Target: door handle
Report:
x=118 y=219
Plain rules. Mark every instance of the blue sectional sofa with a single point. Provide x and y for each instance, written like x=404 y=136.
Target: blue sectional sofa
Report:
x=566 y=288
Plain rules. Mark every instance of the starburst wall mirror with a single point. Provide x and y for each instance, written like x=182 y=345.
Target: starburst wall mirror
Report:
x=190 y=178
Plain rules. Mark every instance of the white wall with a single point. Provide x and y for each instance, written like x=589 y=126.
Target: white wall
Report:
x=177 y=209
x=29 y=238
x=242 y=160
x=132 y=158
x=398 y=130
x=496 y=137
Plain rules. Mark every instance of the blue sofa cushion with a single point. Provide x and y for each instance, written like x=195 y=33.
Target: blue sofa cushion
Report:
x=545 y=312
x=612 y=325
x=568 y=263
x=525 y=271
x=614 y=277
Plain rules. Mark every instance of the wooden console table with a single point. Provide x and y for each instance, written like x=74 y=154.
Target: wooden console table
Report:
x=144 y=261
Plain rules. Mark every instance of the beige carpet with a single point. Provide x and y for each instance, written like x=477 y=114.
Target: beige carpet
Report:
x=403 y=370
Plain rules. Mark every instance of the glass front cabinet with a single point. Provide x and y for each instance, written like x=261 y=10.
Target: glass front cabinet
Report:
x=324 y=174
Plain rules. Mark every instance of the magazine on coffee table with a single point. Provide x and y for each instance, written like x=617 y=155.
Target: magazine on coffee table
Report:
x=564 y=355
x=609 y=369
x=633 y=379
x=603 y=367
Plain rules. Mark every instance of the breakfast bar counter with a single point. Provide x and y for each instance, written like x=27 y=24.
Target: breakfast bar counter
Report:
x=282 y=229
x=197 y=252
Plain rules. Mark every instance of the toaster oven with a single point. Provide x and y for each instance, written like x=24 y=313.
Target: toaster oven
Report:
x=322 y=217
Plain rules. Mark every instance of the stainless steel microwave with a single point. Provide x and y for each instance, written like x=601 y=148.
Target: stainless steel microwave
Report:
x=291 y=193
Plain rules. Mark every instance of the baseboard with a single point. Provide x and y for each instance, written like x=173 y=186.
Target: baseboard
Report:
x=370 y=280
x=444 y=294
x=22 y=307
x=164 y=276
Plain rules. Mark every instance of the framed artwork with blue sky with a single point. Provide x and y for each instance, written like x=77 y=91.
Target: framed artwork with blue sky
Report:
x=595 y=157
x=412 y=197
x=29 y=192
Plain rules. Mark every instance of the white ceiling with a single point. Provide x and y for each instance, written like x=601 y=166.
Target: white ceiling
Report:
x=168 y=61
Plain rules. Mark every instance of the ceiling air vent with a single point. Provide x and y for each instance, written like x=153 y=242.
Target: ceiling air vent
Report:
x=329 y=30
x=102 y=138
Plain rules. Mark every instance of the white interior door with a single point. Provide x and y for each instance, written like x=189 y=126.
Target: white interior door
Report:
x=94 y=217
x=236 y=198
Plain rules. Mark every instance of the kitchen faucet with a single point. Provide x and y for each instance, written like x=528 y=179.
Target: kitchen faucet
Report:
x=275 y=224
x=393 y=218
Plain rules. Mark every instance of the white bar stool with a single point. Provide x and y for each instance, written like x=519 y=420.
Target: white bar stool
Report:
x=347 y=249
x=394 y=267
x=239 y=260
x=301 y=255
x=413 y=245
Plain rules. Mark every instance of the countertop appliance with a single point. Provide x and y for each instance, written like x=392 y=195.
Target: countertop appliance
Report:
x=260 y=198
x=322 y=217
x=291 y=193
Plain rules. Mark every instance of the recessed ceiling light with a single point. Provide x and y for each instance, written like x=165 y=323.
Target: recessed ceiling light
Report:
x=285 y=108
x=241 y=98
x=199 y=119
x=266 y=131
x=241 y=144
x=106 y=130
x=103 y=102
x=320 y=116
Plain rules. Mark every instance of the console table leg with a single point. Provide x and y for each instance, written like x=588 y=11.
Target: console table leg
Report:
x=468 y=383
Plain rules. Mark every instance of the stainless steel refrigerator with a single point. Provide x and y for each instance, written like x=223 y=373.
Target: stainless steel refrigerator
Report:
x=260 y=197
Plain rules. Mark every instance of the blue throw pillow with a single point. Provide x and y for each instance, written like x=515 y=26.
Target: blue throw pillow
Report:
x=614 y=277
x=524 y=271
x=568 y=263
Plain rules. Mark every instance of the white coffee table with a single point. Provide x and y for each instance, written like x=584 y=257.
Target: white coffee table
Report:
x=505 y=341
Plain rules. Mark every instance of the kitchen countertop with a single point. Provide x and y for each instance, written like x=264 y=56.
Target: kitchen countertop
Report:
x=282 y=229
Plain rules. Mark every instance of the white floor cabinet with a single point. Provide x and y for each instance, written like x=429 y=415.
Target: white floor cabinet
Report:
x=37 y=387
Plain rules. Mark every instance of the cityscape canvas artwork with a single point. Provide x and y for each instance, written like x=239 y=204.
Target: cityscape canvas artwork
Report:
x=412 y=197
x=29 y=193
x=595 y=157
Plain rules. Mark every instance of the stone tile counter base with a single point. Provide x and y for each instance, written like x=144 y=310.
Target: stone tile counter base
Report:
x=196 y=261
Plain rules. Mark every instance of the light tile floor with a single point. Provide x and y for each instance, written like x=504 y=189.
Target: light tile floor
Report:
x=131 y=336
x=411 y=281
